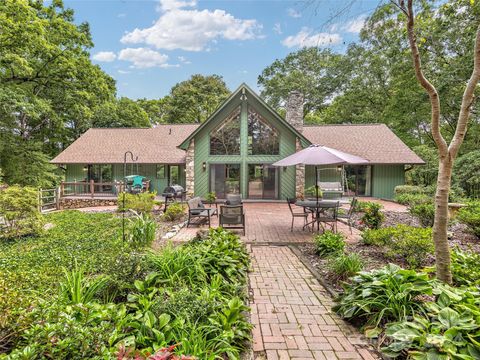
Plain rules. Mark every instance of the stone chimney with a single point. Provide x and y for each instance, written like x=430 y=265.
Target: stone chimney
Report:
x=294 y=113
x=294 y=116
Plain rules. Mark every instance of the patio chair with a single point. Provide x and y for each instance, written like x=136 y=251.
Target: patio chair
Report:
x=296 y=214
x=331 y=190
x=234 y=199
x=328 y=217
x=196 y=210
x=232 y=217
x=349 y=215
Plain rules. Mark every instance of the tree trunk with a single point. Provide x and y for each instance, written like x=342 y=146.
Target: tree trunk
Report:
x=440 y=237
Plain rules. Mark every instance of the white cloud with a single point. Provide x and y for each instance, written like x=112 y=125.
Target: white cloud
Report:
x=105 y=56
x=123 y=72
x=184 y=60
x=306 y=38
x=144 y=58
x=355 y=25
x=277 y=28
x=122 y=15
x=180 y=26
x=293 y=13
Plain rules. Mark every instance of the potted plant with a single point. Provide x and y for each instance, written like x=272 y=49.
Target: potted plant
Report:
x=310 y=193
x=211 y=197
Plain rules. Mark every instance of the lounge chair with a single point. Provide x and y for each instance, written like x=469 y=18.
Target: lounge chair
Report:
x=232 y=217
x=196 y=210
x=234 y=199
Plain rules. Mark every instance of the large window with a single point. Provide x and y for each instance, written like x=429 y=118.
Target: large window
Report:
x=262 y=138
x=225 y=139
x=225 y=179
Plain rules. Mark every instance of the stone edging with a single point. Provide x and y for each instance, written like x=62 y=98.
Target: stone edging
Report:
x=173 y=231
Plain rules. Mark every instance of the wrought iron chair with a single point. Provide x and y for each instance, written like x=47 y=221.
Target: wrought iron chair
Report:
x=328 y=217
x=349 y=215
x=295 y=214
x=232 y=217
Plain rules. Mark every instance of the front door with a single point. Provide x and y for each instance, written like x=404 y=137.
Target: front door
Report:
x=225 y=179
x=263 y=181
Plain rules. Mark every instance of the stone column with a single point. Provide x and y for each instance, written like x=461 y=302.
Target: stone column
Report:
x=190 y=170
x=294 y=116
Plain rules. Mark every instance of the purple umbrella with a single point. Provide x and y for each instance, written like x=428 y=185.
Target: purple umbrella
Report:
x=320 y=155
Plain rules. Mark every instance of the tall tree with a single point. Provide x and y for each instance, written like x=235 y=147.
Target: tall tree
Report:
x=447 y=152
x=123 y=112
x=193 y=100
x=314 y=72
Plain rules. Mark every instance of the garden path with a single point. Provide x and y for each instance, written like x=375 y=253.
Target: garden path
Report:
x=291 y=312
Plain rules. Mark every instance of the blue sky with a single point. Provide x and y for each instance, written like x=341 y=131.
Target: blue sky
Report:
x=149 y=46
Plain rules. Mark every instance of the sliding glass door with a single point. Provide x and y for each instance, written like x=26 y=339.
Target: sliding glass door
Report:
x=225 y=179
x=263 y=181
x=359 y=179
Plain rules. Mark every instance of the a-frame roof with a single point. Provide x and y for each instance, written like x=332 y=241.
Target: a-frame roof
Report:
x=243 y=89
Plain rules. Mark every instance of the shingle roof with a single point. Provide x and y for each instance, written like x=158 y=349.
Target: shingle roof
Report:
x=108 y=146
x=374 y=142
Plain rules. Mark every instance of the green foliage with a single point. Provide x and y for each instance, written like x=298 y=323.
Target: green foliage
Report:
x=412 y=199
x=313 y=190
x=470 y=215
x=19 y=209
x=465 y=267
x=450 y=328
x=345 y=265
x=175 y=211
x=77 y=289
x=424 y=175
x=142 y=230
x=123 y=113
x=329 y=243
x=409 y=189
x=407 y=243
x=372 y=216
x=211 y=197
x=425 y=212
x=467 y=172
x=379 y=296
x=140 y=203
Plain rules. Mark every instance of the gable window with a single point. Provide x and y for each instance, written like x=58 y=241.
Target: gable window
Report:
x=225 y=139
x=263 y=139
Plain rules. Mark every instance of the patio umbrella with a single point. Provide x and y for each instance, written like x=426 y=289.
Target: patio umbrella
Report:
x=317 y=155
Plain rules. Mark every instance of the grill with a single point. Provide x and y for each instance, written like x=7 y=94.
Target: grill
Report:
x=173 y=193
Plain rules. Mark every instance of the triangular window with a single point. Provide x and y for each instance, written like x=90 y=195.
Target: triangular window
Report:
x=263 y=139
x=225 y=139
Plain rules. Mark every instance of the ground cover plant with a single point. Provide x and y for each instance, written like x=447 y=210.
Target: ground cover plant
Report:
x=470 y=215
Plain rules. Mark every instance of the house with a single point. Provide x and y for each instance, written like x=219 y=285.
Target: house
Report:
x=232 y=152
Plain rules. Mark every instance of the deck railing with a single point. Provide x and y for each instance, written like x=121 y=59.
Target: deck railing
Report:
x=90 y=188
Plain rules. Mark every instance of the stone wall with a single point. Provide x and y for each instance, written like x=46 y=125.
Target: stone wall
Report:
x=299 y=175
x=78 y=203
x=190 y=170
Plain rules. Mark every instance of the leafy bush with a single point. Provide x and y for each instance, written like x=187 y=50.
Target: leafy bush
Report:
x=372 y=216
x=211 y=197
x=329 y=243
x=465 y=267
x=450 y=328
x=345 y=266
x=19 y=209
x=467 y=172
x=470 y=215
x=409 y=243
x=175 y=211
x=424 y=212
x=409 y=189
x=382 y=295
x=142 y=230
x=412 y=199
x=140 y=203
x=313 y=190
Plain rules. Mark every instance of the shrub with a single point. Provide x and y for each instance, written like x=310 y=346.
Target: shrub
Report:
x=142 y=230
x=372 y=217
x=412 y=199
x=329 y=243
x=470 y=216
x=345 y=266
x=140 y=203
x=19 y=209
x=410 y=243
x=211 y=197
x=465 y=267
x=425 y=212
x=382 y=295
x=408 y=189
x=175 y=211
x=312 y=191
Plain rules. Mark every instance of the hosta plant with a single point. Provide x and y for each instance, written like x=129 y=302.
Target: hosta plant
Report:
x=329 y=243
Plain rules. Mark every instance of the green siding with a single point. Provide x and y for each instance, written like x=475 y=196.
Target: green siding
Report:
x=76 y=172
x=385 y=178
x=202 y=150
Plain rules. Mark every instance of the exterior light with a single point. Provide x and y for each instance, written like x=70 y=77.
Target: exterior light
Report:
x=204 y=166
x=85 y=168
x=243 y=97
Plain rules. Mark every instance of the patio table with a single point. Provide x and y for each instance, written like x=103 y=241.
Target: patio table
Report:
x=318 y=207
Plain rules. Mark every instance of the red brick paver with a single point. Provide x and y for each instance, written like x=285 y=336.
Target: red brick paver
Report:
x=268 y=223
x=291 y=312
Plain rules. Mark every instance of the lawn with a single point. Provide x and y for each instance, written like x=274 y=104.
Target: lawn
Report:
x=78 y=291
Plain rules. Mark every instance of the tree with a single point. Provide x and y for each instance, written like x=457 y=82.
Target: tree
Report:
x=156 y=109
x=447 y=152
x=194 y=100
x=123 y=113
x=314 y=72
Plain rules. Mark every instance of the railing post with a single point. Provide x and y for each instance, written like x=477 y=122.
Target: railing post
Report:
x=58 y=192
x=74 y=186
x=92 y=187
x=62 y=189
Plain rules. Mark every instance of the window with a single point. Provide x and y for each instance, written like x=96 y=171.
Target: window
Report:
x=174 y=176
x=161 y=171
x=225 y=179
x=262 y=138
x=100 y=173
x=225 y=139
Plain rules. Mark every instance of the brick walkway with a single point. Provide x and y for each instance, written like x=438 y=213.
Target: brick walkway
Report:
x=268 y=223
x=292 y=313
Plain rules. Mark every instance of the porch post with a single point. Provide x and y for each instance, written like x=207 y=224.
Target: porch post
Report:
x=190 y=169
x=92 y=187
